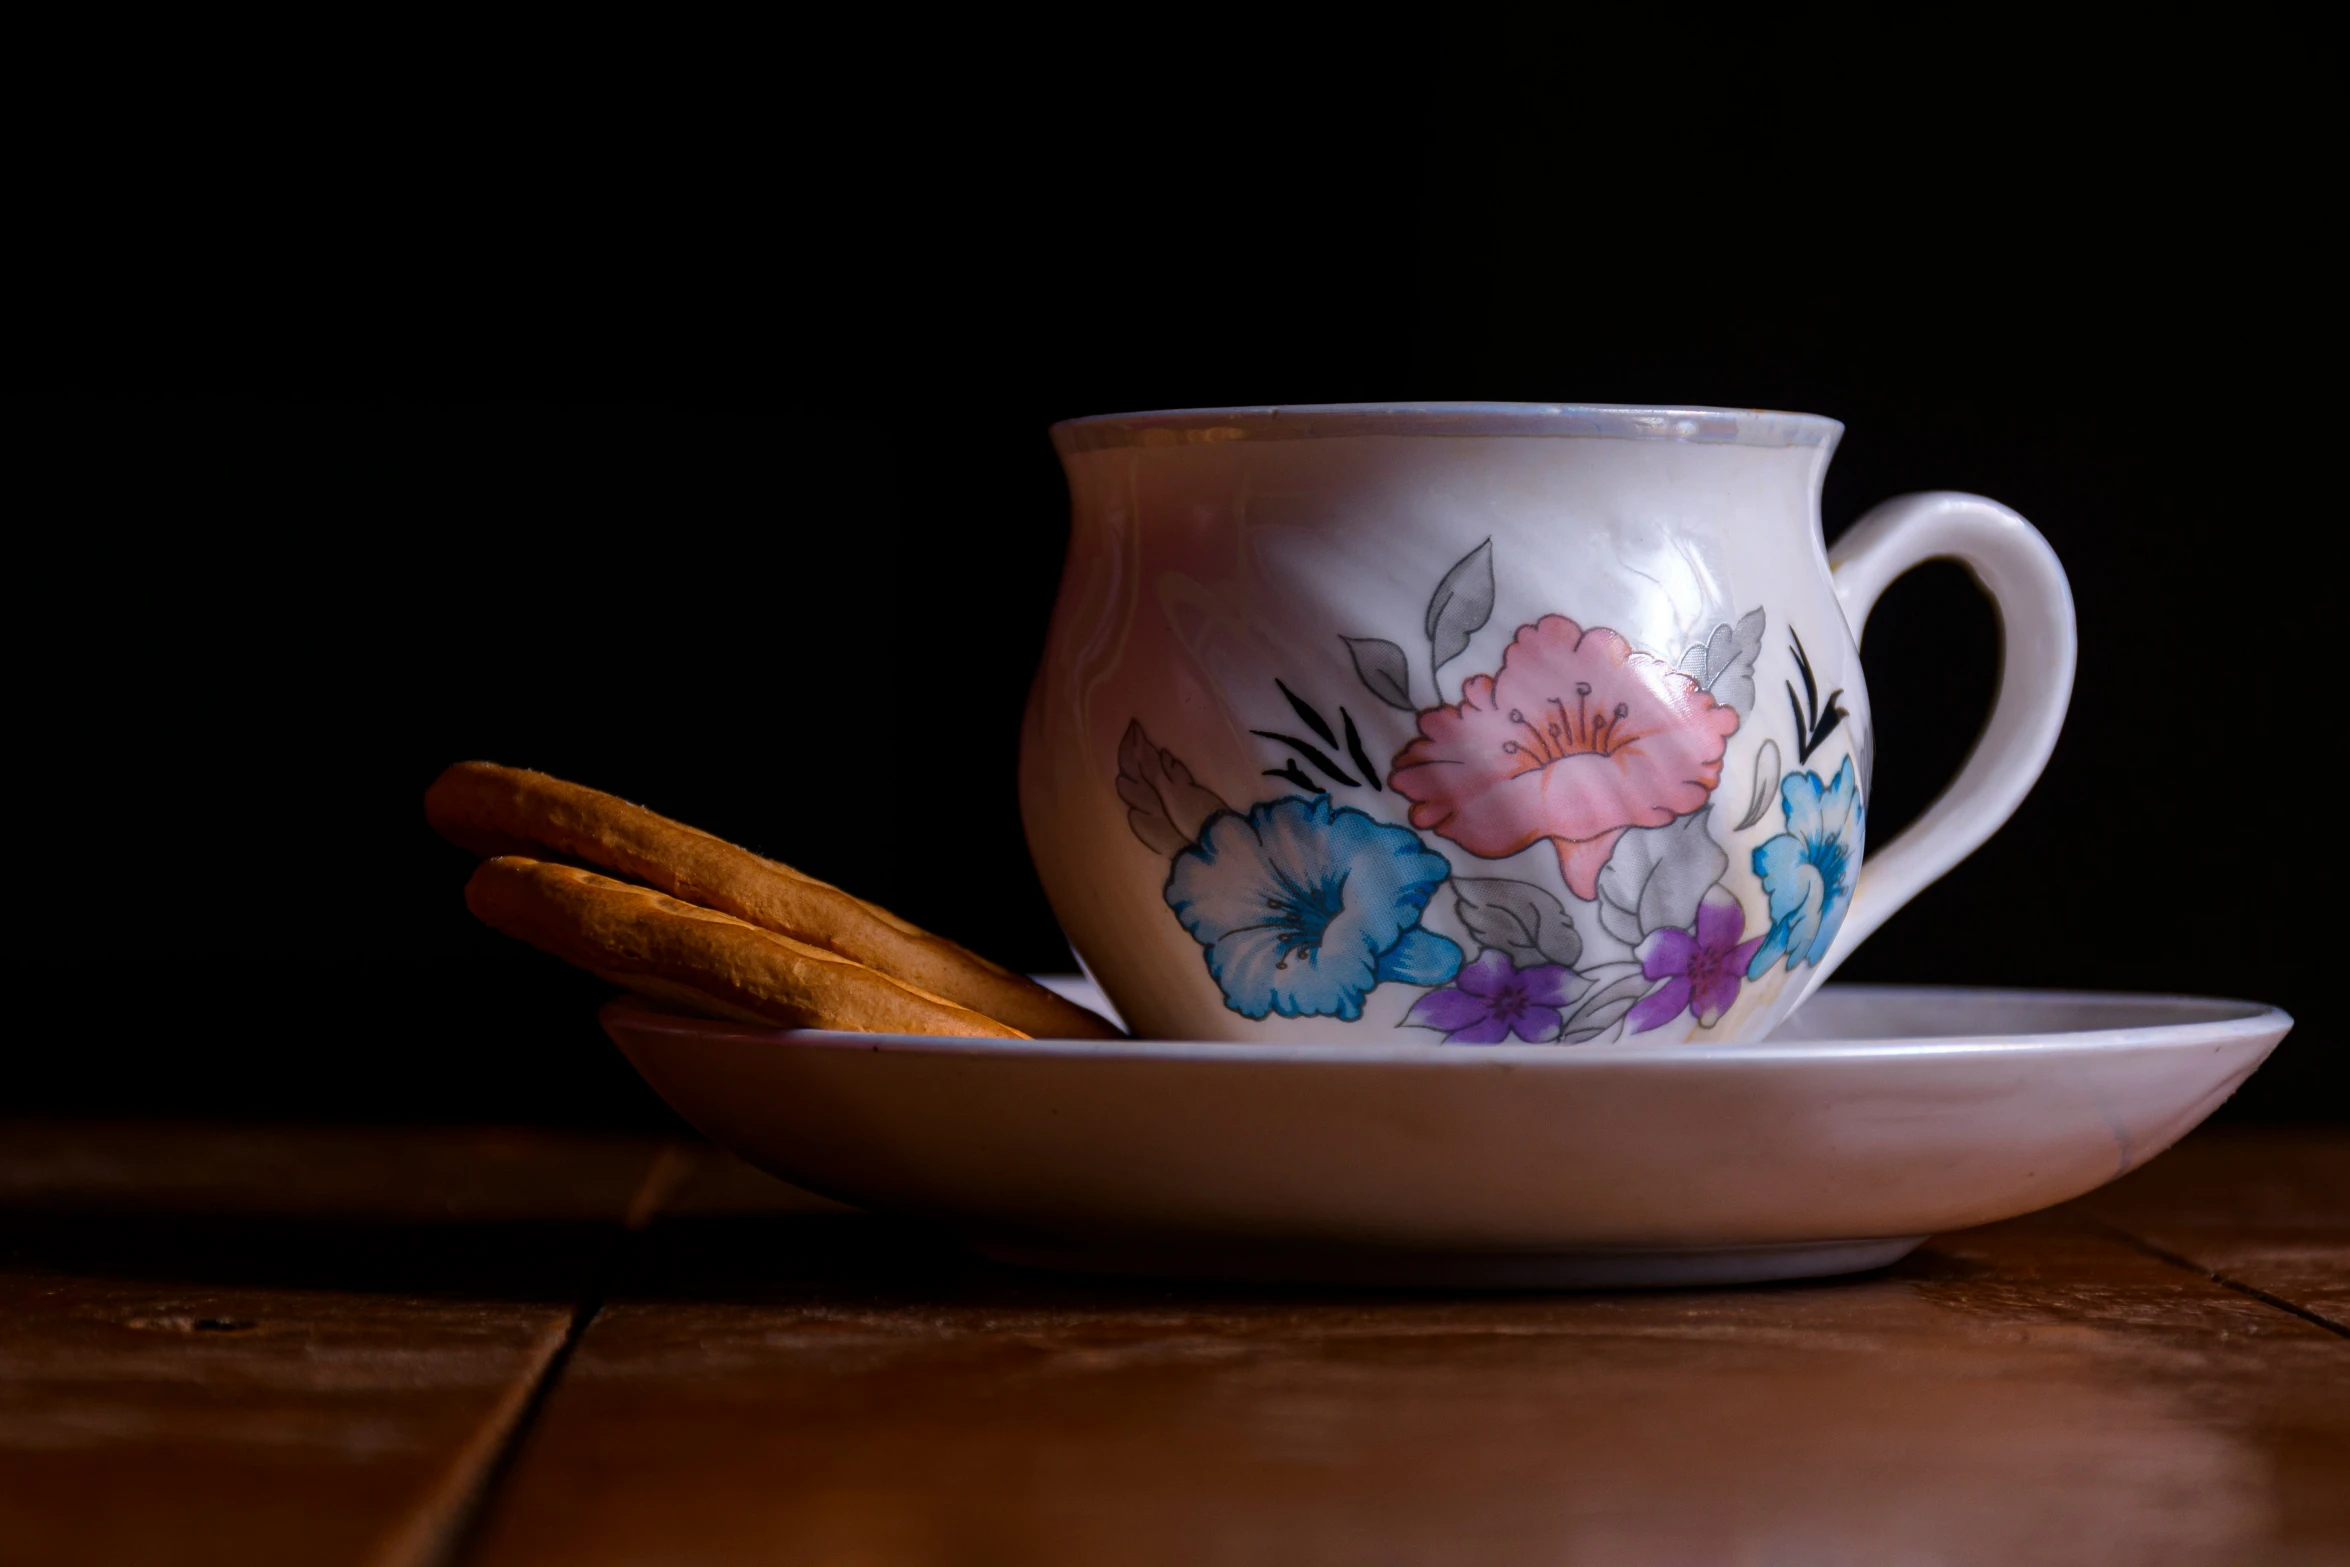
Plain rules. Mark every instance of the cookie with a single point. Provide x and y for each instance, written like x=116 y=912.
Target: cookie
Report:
x=713 y=963
x=508 y=810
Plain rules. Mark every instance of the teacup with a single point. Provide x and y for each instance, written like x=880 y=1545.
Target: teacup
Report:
x=1490 y=723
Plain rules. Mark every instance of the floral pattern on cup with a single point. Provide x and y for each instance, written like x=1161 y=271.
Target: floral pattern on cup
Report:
x=1607 y=753
x=1493 y=999
x=1303 y=907
x=1807 y=871
x=1578 y=737
x=1702 y=967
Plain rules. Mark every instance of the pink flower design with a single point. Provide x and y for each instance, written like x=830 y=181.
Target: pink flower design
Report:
x=1576 y=739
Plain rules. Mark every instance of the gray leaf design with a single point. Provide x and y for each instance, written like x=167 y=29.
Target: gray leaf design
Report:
x=1462 y=604
x=1615 y=989
x=1724 y=664
x=1750 y=634
x=1163 y=806
x=1766 y=785
x=1730 y=676
x=1383 y=670
x=1721 y=650
x=1657 y=876
x=1519 y=919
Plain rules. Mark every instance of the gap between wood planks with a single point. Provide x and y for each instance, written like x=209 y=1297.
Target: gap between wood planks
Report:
x=445 y=1530
x=2164 y=1254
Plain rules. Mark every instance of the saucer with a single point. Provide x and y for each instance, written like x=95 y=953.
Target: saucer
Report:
x=1876 y=1116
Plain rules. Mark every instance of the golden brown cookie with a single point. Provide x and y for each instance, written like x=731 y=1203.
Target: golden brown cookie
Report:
x=712 y=963
x=509 y=810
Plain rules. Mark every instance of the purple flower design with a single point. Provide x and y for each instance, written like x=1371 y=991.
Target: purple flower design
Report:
x=1703 y=968
x=1493 y=998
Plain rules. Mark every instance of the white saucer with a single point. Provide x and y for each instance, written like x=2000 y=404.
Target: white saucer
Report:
x=1878 y=1116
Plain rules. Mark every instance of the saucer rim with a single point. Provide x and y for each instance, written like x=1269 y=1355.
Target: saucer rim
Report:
x=2251 y=1019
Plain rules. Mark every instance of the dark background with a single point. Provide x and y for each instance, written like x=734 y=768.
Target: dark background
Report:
x=668 y=413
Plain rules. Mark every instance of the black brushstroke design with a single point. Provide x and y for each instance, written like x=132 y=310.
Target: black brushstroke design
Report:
x=1812 y=726
x=1314 y=721
x=1289 y=771
x=1354 y=748
x=1312 y=753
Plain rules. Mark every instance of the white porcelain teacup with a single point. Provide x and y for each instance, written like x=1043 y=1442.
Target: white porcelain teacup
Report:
x=1490 y=723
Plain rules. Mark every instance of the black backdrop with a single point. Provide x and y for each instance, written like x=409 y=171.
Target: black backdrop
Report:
x=672 y=418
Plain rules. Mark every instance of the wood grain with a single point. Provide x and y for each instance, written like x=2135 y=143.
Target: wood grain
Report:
x=816 y=1387
x=263 y=1345
x=252 y=1345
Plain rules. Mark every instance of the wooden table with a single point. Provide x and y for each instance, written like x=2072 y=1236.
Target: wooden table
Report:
x=250 y=1346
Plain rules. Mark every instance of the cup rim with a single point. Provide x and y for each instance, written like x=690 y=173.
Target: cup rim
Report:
x=1309 y=421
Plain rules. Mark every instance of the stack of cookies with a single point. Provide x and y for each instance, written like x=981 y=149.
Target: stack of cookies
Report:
x=692 y=921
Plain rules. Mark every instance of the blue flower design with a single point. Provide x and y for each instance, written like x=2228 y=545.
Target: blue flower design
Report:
x=1807 y=871
x=1303 y=908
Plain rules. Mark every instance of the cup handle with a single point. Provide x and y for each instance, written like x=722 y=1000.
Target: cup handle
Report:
x=2038 y=643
